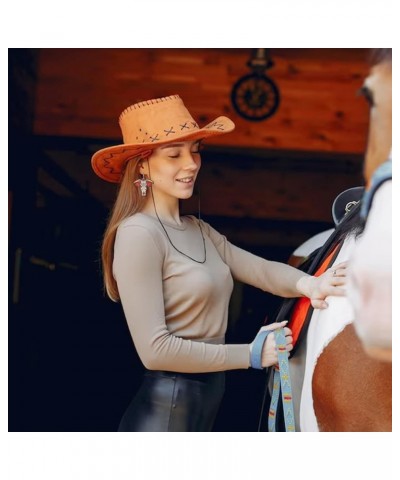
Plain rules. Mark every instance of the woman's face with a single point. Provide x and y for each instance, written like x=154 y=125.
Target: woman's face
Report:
x=174 y=168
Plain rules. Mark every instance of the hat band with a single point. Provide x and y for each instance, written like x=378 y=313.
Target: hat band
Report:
x=164 y=134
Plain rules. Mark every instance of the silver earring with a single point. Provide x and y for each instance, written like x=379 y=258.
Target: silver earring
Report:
x=143 y=184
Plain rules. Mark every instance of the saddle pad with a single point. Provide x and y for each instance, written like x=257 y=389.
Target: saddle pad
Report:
x=301 y=309
x=324 y=326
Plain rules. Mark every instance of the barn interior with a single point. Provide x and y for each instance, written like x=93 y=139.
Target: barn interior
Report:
x=269 y=186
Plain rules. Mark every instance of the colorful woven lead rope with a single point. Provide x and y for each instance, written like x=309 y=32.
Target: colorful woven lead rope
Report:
x=281 y=383
x=281 y=377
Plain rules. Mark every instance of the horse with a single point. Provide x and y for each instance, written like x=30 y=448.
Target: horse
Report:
x=337 y=385
x=349 y=385
x=370 y=266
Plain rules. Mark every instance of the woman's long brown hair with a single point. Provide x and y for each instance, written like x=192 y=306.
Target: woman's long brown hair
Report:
x=127 y=203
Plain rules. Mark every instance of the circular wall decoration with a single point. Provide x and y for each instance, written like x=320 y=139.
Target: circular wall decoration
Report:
x=255 y=97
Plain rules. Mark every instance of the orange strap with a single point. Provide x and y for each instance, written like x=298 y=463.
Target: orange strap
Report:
x=303 y=304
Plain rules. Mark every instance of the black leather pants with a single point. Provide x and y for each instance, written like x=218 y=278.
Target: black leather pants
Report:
x=175 y=402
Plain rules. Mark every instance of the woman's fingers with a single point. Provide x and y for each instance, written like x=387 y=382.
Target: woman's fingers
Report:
x=338 y=280
x=274 y=326
x=287 y=331
x=289 y=339
x=269 y=353
x=341 y=265
x=269 y=356
x=319 y=303
x=336 y=291
x=339 y=270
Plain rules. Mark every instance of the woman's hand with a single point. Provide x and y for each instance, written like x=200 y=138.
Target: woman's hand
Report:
x=329 y=283
x=269 y=354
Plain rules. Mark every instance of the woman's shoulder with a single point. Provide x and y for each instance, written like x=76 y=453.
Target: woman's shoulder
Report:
x=190 y=219
x=138 y=220
x=193 y=220
x=139 y=225
x=139 y=229
x=214 y=235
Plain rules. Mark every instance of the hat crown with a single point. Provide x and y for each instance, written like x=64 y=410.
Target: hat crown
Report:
x=148 y=125
x=157 y=120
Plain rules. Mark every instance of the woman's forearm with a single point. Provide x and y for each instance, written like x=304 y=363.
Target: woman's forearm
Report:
x=287 y=281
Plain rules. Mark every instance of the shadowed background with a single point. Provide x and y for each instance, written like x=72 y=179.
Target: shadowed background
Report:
x=268 y=187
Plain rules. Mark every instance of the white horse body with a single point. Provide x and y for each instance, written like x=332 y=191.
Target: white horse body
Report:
x=324 y=326
x=370 y=277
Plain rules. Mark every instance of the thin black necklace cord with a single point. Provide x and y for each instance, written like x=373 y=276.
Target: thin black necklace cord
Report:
x=166 y=233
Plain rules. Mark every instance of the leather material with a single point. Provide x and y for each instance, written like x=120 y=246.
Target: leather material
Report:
x=175 y=402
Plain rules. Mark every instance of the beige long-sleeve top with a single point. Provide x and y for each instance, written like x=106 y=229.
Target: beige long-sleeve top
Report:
x=177 y=309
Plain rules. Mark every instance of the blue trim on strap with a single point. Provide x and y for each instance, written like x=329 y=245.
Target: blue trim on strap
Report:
x=381 y=175
x=256 y=350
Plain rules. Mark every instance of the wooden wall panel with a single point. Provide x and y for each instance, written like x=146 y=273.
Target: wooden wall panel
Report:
x=249 y=190
x=81 y=93
x=241 y=186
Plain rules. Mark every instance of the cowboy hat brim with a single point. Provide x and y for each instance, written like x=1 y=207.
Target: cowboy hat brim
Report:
x=108 y=163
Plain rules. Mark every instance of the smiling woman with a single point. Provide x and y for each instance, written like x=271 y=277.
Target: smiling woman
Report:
x=174 y=168
x=174 y=274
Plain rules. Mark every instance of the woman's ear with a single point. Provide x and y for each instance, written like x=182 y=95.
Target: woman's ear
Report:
x=144 y=167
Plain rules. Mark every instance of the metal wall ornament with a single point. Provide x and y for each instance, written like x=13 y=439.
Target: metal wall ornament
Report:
x=255 y=96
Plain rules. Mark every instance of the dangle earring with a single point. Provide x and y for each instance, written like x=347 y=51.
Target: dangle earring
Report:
x=143 y=184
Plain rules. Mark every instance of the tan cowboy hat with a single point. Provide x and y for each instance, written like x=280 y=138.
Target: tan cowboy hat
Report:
x=149 y=125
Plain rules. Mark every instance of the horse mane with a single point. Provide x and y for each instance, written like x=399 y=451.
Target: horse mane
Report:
x=351 y=224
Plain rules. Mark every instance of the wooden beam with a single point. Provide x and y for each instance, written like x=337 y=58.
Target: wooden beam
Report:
x=81 y=93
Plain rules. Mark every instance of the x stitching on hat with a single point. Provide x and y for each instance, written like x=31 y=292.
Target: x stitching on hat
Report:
x=169 y=131
x=216 y=124
x=109 y=163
